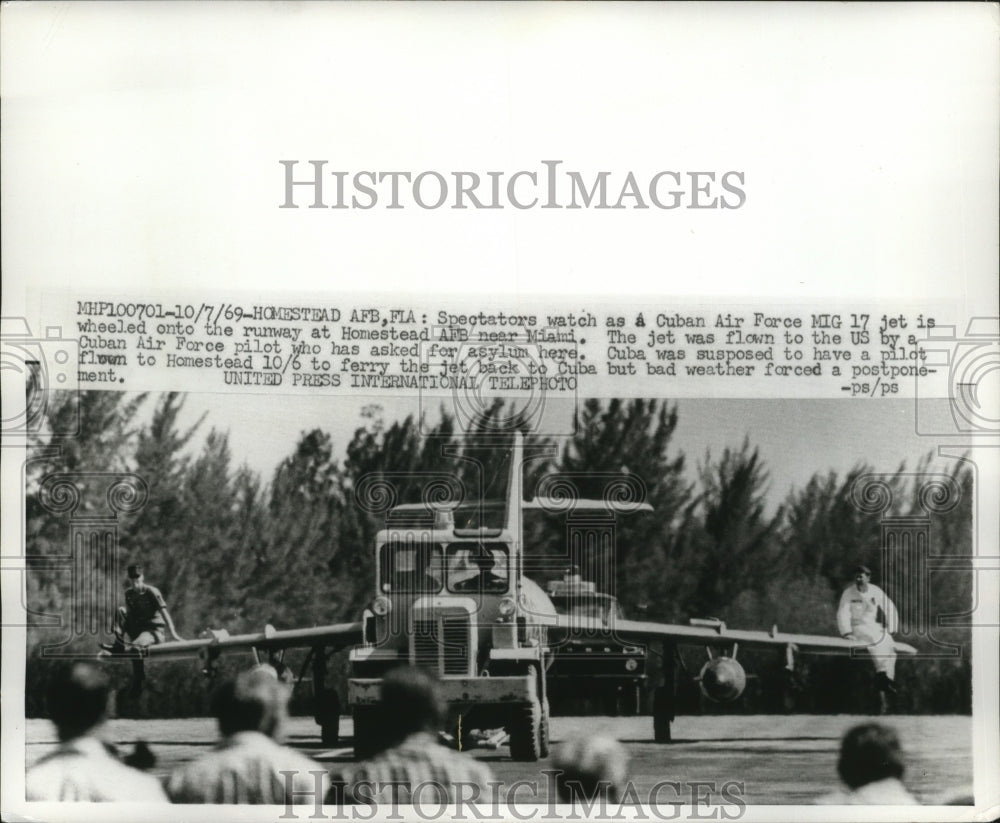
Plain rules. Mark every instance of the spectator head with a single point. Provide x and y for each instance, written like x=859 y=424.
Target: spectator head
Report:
x=411 y=703
x=590 y=768
x=266 y=668
x=77 y=699
x=254 y=701
x=870 y=752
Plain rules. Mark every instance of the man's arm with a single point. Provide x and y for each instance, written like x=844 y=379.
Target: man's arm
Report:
x=891 y=615
x=170 y=623
x=844 y=613
x=166 y=614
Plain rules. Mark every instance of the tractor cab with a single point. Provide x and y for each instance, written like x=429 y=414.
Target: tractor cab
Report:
x=451 y=596
x=441 y=594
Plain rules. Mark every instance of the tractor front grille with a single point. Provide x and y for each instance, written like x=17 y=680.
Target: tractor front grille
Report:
x=442 y=642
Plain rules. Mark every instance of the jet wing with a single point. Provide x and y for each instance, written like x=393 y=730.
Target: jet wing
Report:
x=558 y=504
x=710 y=633
x=334 y=636
x=553 y=505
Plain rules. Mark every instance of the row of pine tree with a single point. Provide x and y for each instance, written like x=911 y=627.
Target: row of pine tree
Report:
x=230 y=549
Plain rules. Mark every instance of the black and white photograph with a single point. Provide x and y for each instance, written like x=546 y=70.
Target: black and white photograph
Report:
x=534 y=411
x=717 y=597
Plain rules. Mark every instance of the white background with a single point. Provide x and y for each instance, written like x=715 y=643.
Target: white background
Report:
x=141 y=145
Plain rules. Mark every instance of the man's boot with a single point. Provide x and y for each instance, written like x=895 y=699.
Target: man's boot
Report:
x=138 y=678
x=883 y=703
x=885 y=684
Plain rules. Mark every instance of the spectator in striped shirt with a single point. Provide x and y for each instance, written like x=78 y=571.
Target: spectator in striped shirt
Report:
x=84 y=767
x=249 y=764
x=413 y=768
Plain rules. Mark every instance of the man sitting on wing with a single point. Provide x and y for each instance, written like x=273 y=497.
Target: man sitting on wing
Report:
x=140 y=623
x=857 y=619
x=144 y=619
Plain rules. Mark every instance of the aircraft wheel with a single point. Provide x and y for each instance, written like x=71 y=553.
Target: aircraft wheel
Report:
x=524 y=728
x=662 y=714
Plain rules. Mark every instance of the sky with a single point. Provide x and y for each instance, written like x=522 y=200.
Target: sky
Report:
x=796 y=438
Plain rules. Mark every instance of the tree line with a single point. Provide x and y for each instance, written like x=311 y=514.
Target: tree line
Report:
x=230 y=549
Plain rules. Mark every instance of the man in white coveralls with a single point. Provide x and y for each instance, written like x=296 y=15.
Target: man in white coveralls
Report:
x=858 y=619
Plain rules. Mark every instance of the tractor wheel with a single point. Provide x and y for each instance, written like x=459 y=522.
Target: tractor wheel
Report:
x=662 y=714
x=524 y=728
x=543 y=731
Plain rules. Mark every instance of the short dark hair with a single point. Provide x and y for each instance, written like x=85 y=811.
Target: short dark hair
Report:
x=77 y=698
x=870 y=752
x=253 y=701
x=135 y=570
x=860 y=569
x=411 y=702
x=590 y=768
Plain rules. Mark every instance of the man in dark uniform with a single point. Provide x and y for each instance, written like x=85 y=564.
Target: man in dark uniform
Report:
x=144 y=619
x=485 y=579
x=141 y=622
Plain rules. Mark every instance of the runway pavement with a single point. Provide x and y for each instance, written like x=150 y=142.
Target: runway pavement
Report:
x=764 y=759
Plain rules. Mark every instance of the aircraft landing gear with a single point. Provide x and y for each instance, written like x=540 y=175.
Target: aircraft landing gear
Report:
x=663 y=696
x=328 y=716
x=663 y=713
x=367 y=739
x=326 y=701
